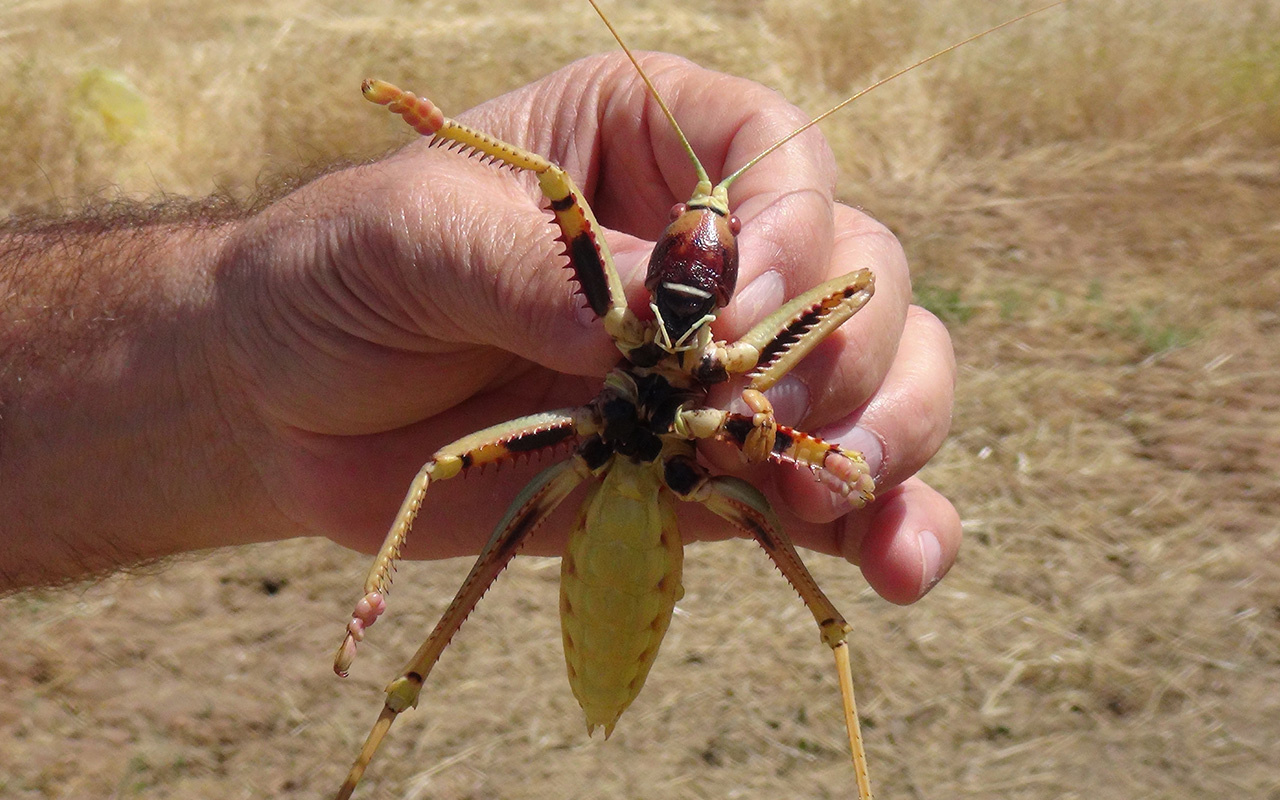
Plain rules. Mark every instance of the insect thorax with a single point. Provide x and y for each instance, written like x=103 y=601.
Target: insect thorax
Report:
x=635 y=413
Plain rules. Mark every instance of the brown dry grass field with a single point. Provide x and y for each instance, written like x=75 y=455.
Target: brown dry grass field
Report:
x=1091 y=200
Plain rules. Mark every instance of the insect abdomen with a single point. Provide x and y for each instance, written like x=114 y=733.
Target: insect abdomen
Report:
x=619 y=582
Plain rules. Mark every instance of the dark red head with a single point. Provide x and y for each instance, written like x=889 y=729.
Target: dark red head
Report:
x=693 y=269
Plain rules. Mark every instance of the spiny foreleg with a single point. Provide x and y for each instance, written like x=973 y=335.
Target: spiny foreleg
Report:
x=589 y=254
x=500 y=443
x=778 y=342
x=533 y=505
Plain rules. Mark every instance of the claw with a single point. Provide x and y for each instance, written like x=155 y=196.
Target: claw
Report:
x=764 y=428
x=846 y=473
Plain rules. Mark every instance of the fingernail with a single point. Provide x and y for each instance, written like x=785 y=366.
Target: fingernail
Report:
x=865 y=442
x=761 y=296
x=790 y=399
x=931 y=561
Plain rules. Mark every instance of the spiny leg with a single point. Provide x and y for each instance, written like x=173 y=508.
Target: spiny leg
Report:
x=589 y=254
x=533 y=505
x=778 y=342
x=503 y=442
x=743 y=505
x=844 y=472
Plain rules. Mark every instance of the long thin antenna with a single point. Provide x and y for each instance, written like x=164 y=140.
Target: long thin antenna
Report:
x=702 y=173
x=725 y=183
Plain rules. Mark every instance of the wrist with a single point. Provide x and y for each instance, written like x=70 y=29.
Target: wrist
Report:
x=113 y=447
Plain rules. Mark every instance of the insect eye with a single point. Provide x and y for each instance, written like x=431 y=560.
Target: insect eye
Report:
x=677 y=210
x=735 y=224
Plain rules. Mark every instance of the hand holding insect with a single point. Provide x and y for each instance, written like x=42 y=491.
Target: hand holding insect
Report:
x=635 y=441
x=384 y=309
x=422 y=298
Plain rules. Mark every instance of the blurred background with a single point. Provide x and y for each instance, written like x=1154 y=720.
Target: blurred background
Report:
x=1088 y=199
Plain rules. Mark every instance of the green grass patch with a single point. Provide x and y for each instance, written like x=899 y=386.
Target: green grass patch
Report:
x=946 y=304
x=1156 y=335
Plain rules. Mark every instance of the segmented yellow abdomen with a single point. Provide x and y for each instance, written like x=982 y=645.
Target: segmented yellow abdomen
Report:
x=619 y=582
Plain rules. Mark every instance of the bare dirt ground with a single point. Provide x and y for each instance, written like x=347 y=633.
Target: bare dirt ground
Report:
x=1096 y=222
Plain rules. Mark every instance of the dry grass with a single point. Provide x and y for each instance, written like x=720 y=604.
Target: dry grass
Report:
x=1088 y=199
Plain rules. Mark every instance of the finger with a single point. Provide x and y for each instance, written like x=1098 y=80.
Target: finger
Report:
x=839 y=376
x=632 y=173
x=911 y=413
x=786 y=206
x=907 y=544
x=900 y=429
x=904 y=543
x=785 y=203
x=836 y=379
x=484 y=265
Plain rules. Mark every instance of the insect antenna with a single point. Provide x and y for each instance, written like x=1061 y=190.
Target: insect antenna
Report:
x=722 y=189
x=704 y=189
x=725 y=183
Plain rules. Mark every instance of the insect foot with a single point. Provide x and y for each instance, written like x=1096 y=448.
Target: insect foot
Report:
x=366 y=612
x=764 y=428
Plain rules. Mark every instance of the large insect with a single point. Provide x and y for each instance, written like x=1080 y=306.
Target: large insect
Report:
x=636 y=442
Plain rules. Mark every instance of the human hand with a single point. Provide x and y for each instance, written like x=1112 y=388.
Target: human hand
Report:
x=385 y=310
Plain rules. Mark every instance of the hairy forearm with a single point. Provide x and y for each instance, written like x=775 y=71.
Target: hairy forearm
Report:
x=113 y=449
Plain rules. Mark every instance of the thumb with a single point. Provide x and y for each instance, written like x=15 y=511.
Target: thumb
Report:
x=488 y=266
